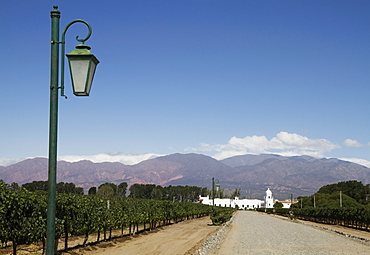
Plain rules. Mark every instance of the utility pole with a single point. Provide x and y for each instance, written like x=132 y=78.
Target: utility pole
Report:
x=291 y=200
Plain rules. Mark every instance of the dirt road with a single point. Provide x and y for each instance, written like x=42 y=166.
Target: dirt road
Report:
x=181 y=238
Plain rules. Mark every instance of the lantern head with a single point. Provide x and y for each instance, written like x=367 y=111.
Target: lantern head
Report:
x=82 y=65
x=217 y=187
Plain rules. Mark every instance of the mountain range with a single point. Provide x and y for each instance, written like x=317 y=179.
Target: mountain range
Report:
x=253 y=174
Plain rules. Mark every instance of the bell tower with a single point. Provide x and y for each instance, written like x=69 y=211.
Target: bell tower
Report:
x=269 y=200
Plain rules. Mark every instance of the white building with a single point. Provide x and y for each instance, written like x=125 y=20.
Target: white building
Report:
x=235 y=203
x=287 y=203
x=245 y=203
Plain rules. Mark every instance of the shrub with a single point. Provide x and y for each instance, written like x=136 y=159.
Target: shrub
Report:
x=219 y=216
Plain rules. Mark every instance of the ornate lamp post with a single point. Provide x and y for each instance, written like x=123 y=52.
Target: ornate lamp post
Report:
x=82 y=64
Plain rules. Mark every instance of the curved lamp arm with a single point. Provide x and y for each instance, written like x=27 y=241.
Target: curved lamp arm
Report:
x=63 y=48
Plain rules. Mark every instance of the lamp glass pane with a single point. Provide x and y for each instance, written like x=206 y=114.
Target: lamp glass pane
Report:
x=91 y=76
x=79 y=72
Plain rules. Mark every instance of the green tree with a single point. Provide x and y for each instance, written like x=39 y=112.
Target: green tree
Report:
x=236 y=193
x=278 y=205
x=92 y=191
x=68 y=188
x=14 y=186
x=333 y=200
x=121 y=189
x=304 y=202
x=141 y=190
x=324 y=200
x=112 y=185
x=79 y=190
x=61 y=187
x=105 y=190
x=36 y=185
x=354 y=189
x=158 y=192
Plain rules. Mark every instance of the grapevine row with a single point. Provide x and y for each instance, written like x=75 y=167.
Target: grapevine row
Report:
x=23 y=215
x=357 y=217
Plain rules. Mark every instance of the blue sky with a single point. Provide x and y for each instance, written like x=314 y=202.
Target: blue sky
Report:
x=221 y=78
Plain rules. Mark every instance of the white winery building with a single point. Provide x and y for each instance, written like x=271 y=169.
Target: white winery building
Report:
x=268 y=202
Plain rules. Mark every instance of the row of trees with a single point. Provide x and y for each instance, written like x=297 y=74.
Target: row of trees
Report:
x=61 y=187
x=146 y=191
x=109 y=189
x=354 y=189
x=151 y=191
x=23 y=215
x=172 y=193
x=342 y=194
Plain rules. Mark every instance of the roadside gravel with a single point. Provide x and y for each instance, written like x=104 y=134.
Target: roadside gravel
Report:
x=255 y=233
x=212 y=244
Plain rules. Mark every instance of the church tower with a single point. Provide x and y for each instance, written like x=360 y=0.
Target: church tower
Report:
x=269 y=200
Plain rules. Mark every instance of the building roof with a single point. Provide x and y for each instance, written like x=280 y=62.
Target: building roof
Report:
x=286 y=202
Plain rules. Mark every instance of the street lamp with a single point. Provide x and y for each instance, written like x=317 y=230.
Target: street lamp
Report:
x=82 y=64
x=213 y=189
x=82 y=74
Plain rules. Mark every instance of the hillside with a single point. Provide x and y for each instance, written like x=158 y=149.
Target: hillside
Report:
x=253 y=174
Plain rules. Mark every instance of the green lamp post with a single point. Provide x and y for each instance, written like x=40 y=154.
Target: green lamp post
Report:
x=214 y=182
x=82 y=65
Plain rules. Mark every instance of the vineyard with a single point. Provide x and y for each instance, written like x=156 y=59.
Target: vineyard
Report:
x=358 y=217
x=23 y=215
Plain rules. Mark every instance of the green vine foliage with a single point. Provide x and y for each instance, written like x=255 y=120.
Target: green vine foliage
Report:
x=221 y=215
x=23 y=215
x=355 y=217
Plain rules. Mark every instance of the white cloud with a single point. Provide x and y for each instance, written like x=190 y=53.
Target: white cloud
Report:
x=127 y=159
x=359 y=161
x=284 y=143
x=8 y=162
x=352 y=143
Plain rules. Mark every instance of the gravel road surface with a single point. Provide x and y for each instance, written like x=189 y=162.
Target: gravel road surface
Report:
x=256 y=233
